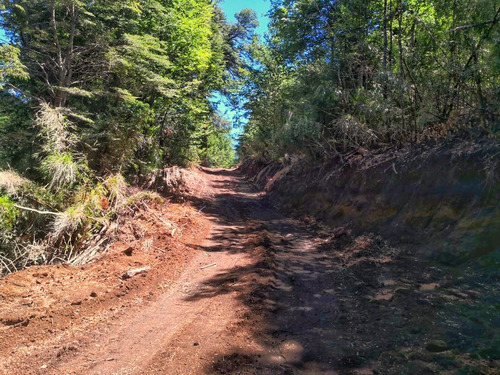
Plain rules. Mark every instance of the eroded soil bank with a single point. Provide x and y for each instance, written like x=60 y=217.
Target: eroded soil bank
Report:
x=246 y=289
x=414 y=234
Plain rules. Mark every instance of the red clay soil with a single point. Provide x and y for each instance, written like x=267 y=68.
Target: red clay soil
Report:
x=49 y=312
x=241 y=290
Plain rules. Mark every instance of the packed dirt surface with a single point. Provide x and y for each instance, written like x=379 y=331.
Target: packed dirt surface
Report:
x=241 y=289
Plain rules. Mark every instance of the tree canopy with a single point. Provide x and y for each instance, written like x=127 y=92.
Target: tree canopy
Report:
x=92 y=91
x=338 y=75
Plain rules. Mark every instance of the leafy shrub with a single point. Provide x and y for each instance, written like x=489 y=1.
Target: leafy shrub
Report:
x=8 y=215
x=61 y=169
x=219 y=152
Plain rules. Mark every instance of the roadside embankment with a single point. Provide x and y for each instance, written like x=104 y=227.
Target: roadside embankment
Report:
x=443 y=194
x=436 y=207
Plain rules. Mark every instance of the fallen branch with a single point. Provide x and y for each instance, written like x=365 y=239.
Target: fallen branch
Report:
x=157 y=248
x=208 y=265
x=37 y=211
x=6 y=266
x=172 y=226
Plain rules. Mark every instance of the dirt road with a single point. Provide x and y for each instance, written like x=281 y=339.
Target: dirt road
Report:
x=215 y=317
x=265 y=294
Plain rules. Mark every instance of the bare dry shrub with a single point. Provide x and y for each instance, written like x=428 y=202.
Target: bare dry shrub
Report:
x=68 y=222
x=35 y=253
x=352 y=133
x=23 y=255
x=10 y=182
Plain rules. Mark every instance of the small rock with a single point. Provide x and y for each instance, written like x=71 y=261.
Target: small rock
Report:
x=437 y=346
x=44 y=367
x=196 y=344
x=362 y=371
x=128 y=252
x=76 y=303
x=93 y=294
x=291 y=350
x=134 y=272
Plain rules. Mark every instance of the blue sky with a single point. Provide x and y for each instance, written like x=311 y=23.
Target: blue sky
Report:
x=231 y=7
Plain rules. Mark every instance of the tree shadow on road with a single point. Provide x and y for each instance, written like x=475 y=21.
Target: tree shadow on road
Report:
x=316 y=302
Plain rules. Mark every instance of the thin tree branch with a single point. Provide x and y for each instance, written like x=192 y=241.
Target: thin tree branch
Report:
x=466 y=27
x=37 y=211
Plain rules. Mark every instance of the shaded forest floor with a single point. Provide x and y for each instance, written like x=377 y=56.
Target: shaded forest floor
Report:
x=243 y=289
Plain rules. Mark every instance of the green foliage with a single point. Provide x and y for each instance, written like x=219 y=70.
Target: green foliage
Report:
x=17 y=149
x=9 y=220
x=92 y=91
x=10 y=65
x=8 y=214
x=336 y=76
x=127 y=81
x=220 y=152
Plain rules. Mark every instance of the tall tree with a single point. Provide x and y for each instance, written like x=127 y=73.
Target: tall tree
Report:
x=375 y=73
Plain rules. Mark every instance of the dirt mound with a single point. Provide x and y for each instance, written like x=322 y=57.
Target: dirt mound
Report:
x=178 y=182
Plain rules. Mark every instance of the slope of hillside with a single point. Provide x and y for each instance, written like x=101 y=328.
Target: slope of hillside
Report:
x=416 y=230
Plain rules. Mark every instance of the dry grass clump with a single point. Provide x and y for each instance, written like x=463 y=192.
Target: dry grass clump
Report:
x=61 y=168
x=116 y=187
x=68 y=222
x=11 y=182
x=54 y=129
x=142 y=196
x=351 y=132
x=59 y=163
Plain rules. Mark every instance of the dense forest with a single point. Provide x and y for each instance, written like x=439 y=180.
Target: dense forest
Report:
x=336 y=76
x=95 y=95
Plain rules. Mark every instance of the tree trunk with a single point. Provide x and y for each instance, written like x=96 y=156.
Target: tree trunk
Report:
x=385 y=50
x=480 y=97
x=390 y=36
x=64 y=63
x=401 y=66
x=59 y=62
